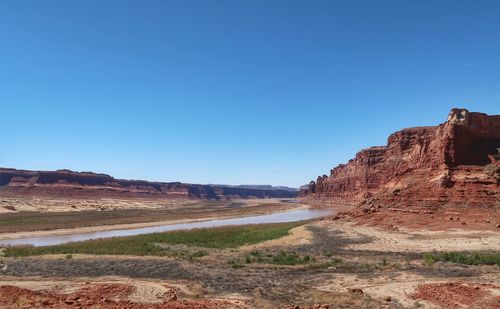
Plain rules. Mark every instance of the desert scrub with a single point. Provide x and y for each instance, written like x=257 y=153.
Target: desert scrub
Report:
x=332 y=263
x=197 y=254
x=468 y=258
x=235 y=264
x=184 y=254
x=254 y=257
x=281 y=258
x=285 y=258
x=150 y=244
x=491 y=169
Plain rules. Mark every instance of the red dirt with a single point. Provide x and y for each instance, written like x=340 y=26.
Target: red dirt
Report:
x=107 y=296
x=458 y=295
x=443 y=218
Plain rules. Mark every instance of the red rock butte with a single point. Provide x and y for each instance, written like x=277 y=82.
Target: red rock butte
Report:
x=454 y=163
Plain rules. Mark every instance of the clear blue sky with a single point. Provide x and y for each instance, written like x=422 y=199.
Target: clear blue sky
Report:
x=236 y=92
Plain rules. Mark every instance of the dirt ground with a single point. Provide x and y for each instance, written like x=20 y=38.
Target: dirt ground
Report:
x=447 y=217
x=416 y=240
x=352 y=267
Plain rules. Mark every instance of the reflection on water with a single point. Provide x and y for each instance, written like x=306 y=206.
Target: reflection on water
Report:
x=288 y=216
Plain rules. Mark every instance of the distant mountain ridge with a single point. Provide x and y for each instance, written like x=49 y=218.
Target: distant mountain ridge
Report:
x=67 y=183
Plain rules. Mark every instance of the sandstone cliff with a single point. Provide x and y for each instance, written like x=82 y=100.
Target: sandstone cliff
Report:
x=65 y=183
x=456 y=162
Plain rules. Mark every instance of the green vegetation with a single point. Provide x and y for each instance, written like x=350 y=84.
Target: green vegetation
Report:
x=418 y=305
x=14 y=221
x=235 y=264
x=254 y=257
x=290 y=258
x=198 y=254
x=153 y=244
x=332 y=263
x=468 y=258
x=282 y=258
x=285 y=258
x=310 y=262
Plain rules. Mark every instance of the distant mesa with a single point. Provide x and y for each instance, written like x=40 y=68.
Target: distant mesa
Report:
x=69 y=184
x=454 y=163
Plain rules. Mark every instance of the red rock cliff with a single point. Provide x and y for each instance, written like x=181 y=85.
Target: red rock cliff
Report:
x=456 y=162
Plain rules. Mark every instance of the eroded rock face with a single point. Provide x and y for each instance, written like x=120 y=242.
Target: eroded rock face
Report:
x=456 y=162
x=65 y=183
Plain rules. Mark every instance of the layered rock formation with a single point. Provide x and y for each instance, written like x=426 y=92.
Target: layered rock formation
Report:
x=65 y=183
x=456 y=162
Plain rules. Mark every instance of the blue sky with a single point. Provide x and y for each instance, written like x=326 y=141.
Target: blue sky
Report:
x=236 y=92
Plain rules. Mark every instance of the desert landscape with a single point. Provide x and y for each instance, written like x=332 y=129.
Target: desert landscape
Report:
x=414 y=224
x=263 y=154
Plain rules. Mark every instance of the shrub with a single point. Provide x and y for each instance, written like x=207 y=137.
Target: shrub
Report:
x=284 y=258
x=235 y=264
x=467 y=258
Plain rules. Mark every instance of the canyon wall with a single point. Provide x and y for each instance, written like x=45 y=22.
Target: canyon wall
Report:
x=69 y=184
x=456 y=162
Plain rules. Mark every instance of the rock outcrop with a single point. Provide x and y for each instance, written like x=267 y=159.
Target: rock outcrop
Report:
x=65 y=183
x=454 y=163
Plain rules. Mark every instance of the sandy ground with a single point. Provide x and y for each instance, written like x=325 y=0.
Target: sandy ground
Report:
x=411 y=240
x=145 y=291
x=110 y=292
x=402 y=285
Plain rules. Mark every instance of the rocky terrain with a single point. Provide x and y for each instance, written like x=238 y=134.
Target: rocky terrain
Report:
x=69 y=184
x=347 y=266
x=455 y=164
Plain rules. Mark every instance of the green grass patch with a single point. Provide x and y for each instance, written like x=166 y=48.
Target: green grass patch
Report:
x=467 y=258
x=236 y=264
x=151 y=244
x=281 y=258
x=289 y=258
x=15 y=221
x=331 y=263
x=254 y=257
